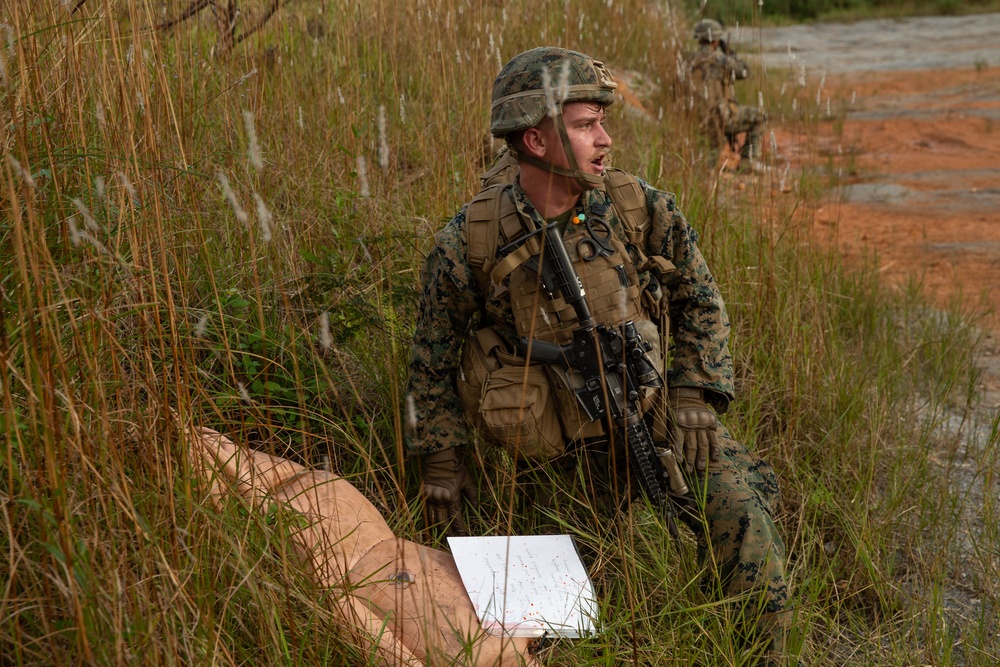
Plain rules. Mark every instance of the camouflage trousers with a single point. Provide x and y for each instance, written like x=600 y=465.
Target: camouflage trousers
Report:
x=738 y=120
x=731 y=514
x=738 y=499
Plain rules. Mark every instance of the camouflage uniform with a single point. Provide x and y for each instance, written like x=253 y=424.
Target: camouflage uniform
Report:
x=451 y=297
x=735 y=499
x=713 y=85
x=738 y=496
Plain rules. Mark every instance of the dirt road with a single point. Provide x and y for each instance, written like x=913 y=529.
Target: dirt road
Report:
x=919 y=152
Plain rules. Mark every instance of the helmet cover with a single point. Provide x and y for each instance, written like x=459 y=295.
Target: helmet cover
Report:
x=709 y=30
x=534 y=80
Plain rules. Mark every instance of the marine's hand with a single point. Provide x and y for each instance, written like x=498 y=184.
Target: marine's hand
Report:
x=695 y=432
x=446 y=485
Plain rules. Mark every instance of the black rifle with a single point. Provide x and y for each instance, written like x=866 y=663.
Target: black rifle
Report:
x=614 y=367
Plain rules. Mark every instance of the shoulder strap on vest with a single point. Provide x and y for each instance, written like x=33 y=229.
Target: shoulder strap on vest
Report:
x=490 y=216
x=503 y=170
x=630 y=202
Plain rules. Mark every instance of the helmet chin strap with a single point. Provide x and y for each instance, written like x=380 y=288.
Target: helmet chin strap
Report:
x=583 y=179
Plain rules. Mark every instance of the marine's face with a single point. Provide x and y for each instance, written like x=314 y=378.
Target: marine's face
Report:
x=587 y=137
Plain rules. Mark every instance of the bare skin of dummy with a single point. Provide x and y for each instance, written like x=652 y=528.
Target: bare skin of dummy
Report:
x=404 y=600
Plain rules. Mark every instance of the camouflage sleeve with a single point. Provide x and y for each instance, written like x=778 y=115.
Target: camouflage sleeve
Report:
x=448 y=300
x=699 y=323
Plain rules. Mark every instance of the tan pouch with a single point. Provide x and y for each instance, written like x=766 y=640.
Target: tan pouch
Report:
x=519 y=415
x=510 y=410
x=479 y=360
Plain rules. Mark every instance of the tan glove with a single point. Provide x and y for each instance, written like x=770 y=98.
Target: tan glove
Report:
x=694 y=428
x=446 y=484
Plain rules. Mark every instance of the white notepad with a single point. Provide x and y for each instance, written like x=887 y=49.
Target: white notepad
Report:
x=527 y=586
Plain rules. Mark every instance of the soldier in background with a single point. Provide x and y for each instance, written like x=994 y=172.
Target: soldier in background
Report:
x=637 y=258
x=714 y=70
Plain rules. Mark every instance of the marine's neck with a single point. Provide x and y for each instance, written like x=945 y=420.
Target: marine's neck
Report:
x=550 y=194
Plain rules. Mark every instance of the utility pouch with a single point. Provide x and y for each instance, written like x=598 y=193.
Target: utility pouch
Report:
x=510 y=403
x=479 y=360
x=517 y=409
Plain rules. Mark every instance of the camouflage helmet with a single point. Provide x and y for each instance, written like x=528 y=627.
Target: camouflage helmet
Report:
x=709 y=30
x=519 y=101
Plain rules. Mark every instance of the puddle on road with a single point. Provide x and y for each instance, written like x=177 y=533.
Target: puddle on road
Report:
x=879 y=193
x=921 y=136
x=882 y=45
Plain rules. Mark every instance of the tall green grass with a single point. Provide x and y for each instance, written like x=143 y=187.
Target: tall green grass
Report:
x=239 y=238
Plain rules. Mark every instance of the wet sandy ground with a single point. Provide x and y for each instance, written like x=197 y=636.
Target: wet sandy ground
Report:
x=884 y=45
x=918 y=154
x=916 y=147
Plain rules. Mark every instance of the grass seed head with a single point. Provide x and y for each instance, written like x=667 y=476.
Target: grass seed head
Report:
x=364 y=251
x=130 y=189
x=241 y=215
x=87 y=217
x=255 y=158
x=411 y=412
x=20 y=171
x=550 y=95
x=383 y=141
x=263 y=217
x=74 y=231
x=325 y=337
x=201 y=326
x=363 y=190
x=784 y=177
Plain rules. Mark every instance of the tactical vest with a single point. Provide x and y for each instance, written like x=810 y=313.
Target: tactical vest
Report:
x=492 y=219
x=611 y=281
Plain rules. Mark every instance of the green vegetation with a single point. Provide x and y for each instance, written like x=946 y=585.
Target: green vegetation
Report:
x=238 y=239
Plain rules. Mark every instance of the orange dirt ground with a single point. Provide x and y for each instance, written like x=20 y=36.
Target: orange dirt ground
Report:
x=920 y=160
